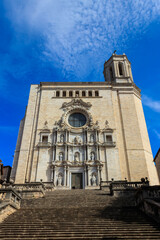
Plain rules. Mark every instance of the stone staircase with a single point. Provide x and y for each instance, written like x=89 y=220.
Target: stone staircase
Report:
x=78 y=214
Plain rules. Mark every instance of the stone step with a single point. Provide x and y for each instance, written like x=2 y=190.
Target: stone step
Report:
x=82 y=237
x=77 y=234
x=78 y=214
x=85 y=230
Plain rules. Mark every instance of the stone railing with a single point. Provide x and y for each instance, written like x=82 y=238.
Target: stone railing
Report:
x=126 y=185
x=105 y=185
x=30 y=190
x=10 y=201
x=121 y=186
x=148 y=201
x=49 y=186
x=11 y=196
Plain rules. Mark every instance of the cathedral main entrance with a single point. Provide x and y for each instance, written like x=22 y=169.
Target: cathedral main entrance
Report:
x=77 y=181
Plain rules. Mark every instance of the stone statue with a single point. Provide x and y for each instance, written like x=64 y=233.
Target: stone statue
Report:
x=96 y=123
x=61 y=156
x=92 y=138
x=60 y=178
x=76 y=157
x=45 y=126
x=106 y=124
x=76 y=140
x=94 y=180
x=62 y=138
x=92 y=156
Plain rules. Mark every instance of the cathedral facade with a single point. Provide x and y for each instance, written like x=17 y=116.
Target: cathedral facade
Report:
x=75 y=134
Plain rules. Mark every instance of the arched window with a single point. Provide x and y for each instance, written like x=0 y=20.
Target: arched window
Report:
x=111 y=73
x=77 y=93
x=90 y=93
x=83 y=93
x=96 y=93
x=120 y=66
x=57 y=93
x=70 y=94
x=64 y=93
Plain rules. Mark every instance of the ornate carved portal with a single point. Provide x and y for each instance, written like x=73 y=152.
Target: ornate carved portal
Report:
x=76 y=150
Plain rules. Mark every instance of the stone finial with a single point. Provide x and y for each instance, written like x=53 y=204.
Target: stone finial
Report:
x=106 y=124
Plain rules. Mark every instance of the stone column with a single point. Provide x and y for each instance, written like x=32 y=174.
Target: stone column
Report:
x=96 y=136
x=74 y=93
x=67 y=176
x=87 y=158
x=55 y=148
x=65 y=146
x=55 y=152
x=65 y=158
x=97 y=153
x=54 y=176
x=100 y=173
x=61 y=93
x=64 y=175
x=97 y=175
x=125 y=69
x=84 y=150
x=89 y=182
x=99 y=149
x=114 y=69
x=85 y=176
x=67 y=93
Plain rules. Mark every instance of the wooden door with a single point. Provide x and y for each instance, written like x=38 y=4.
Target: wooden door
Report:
x=77 y=182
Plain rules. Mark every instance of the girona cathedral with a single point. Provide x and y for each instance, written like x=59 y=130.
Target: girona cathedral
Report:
x=75 y=134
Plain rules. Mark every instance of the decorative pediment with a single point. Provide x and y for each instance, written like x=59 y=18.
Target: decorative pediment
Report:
x=107 y=128
x=76 y=102
x=45 y=127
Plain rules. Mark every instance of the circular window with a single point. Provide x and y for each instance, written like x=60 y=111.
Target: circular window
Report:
x=77 y=120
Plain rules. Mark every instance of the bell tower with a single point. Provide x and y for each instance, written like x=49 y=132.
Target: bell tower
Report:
x=118 y=69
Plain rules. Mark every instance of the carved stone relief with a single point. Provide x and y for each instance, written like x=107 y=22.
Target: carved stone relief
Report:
x=76 y=103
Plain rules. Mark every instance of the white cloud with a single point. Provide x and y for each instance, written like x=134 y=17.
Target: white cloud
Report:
x=82 y=29
x=152 y=104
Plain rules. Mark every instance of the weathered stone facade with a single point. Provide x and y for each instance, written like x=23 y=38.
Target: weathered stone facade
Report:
x=111 y=142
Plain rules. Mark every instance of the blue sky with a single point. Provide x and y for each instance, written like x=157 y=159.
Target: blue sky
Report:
x=69 y=40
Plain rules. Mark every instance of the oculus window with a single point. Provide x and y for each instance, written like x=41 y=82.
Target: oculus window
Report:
x=77 y=120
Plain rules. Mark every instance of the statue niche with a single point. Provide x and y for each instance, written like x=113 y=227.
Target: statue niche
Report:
x=91 y=138
x=77 y=140
x=60 y=179
x=94 y=179
x=76 y=157
x=92 y=156
x=61 y=138
x=61 y=156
